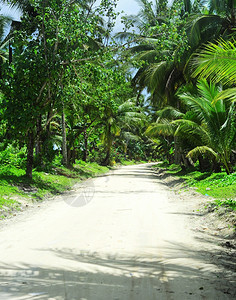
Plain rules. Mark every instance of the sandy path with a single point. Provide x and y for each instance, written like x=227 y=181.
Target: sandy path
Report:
x=134 y=240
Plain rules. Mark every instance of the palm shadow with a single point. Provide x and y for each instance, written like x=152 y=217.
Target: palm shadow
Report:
x=101 y=276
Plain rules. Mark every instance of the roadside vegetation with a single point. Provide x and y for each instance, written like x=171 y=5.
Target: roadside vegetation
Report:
x=219 y=186
x=75 y=95
x=18 y=192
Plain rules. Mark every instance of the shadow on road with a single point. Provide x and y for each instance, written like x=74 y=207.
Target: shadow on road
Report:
x=99 y=276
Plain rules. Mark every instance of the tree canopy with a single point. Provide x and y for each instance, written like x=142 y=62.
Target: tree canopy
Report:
x=163 y=88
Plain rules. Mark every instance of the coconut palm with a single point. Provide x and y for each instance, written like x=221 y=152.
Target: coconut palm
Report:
x=209 y=125
x=217 y=19
x=120 y=123
x=163 y=69
x=226 y=9
x=4 y=22
x=158 y=70
x=4 y=41
x=217 y=61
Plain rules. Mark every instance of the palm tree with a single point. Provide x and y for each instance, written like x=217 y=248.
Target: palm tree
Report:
x=209 y=125
x=4 y=41
x=164 y=69
x=217 y=19
x=217 y=61
x=150 y=14
x=158 y=68
x=164 y=59
x=120 y=123
x=225 y=9
x=23 y=5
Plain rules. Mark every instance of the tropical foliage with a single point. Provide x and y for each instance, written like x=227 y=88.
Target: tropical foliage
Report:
x=70 y=90
x=217 y=61
x=208 y=124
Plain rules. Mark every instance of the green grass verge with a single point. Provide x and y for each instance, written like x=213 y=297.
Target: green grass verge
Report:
x=14 y=185
x=132 y=162
x=220 y=186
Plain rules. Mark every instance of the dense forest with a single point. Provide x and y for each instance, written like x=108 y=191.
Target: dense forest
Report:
x=162 y=89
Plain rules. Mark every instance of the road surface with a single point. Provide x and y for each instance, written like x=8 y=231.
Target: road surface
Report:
x=122 y=236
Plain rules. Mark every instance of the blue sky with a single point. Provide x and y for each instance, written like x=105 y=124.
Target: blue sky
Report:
x=129 y=6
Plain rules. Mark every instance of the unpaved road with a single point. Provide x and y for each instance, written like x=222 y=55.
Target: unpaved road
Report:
x=134 y=240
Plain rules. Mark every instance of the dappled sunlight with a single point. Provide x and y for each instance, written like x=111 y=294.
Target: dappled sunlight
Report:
x=131 y=242
x=114 y=276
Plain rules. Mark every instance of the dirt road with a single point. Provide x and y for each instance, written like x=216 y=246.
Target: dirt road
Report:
x=123 y=236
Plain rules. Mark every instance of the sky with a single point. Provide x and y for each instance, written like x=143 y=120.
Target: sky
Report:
x=128 y=6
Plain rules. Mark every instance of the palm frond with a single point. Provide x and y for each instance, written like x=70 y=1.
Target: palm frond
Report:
x=148 y=56
x=228 y=94
x=141 y=48
x=200 y=107
x=169 y=112
x=4 y=23
x=202 y=150
x=127 y=106
x=125 y=36
x=135 y=20
x=217 y=61
x=163 y=128
x=221 y=7
x=115 y=129
x=200 y=28
x=24 y=5
x=155 y=75
x=208 y=91
x=129 y=136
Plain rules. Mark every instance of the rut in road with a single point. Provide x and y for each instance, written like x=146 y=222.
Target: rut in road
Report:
x=123 y=236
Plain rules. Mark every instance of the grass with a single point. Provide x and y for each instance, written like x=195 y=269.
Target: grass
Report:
x=8 y=204
x=220 y=186
x=14 y=185
x=132 y=162
x=15 y=188
x=227 y=203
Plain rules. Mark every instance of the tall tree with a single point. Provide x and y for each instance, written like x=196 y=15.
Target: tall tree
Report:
x=209 y=123
x=43 y=63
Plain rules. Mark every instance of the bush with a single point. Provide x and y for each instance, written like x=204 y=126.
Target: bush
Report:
x=13 y=156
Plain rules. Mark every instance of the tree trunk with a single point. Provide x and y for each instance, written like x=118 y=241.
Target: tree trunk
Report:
x=73 y=156
x=85 y=156
x=10 y=53
x=187 y=163
x=30 y=154
x=204 y=164
x=138 y=97
x=64 y=148
x=177 y=154
x=227 y=163
x=38 y=146
x=216 y=168
x=69 y=156
x=107 y=160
